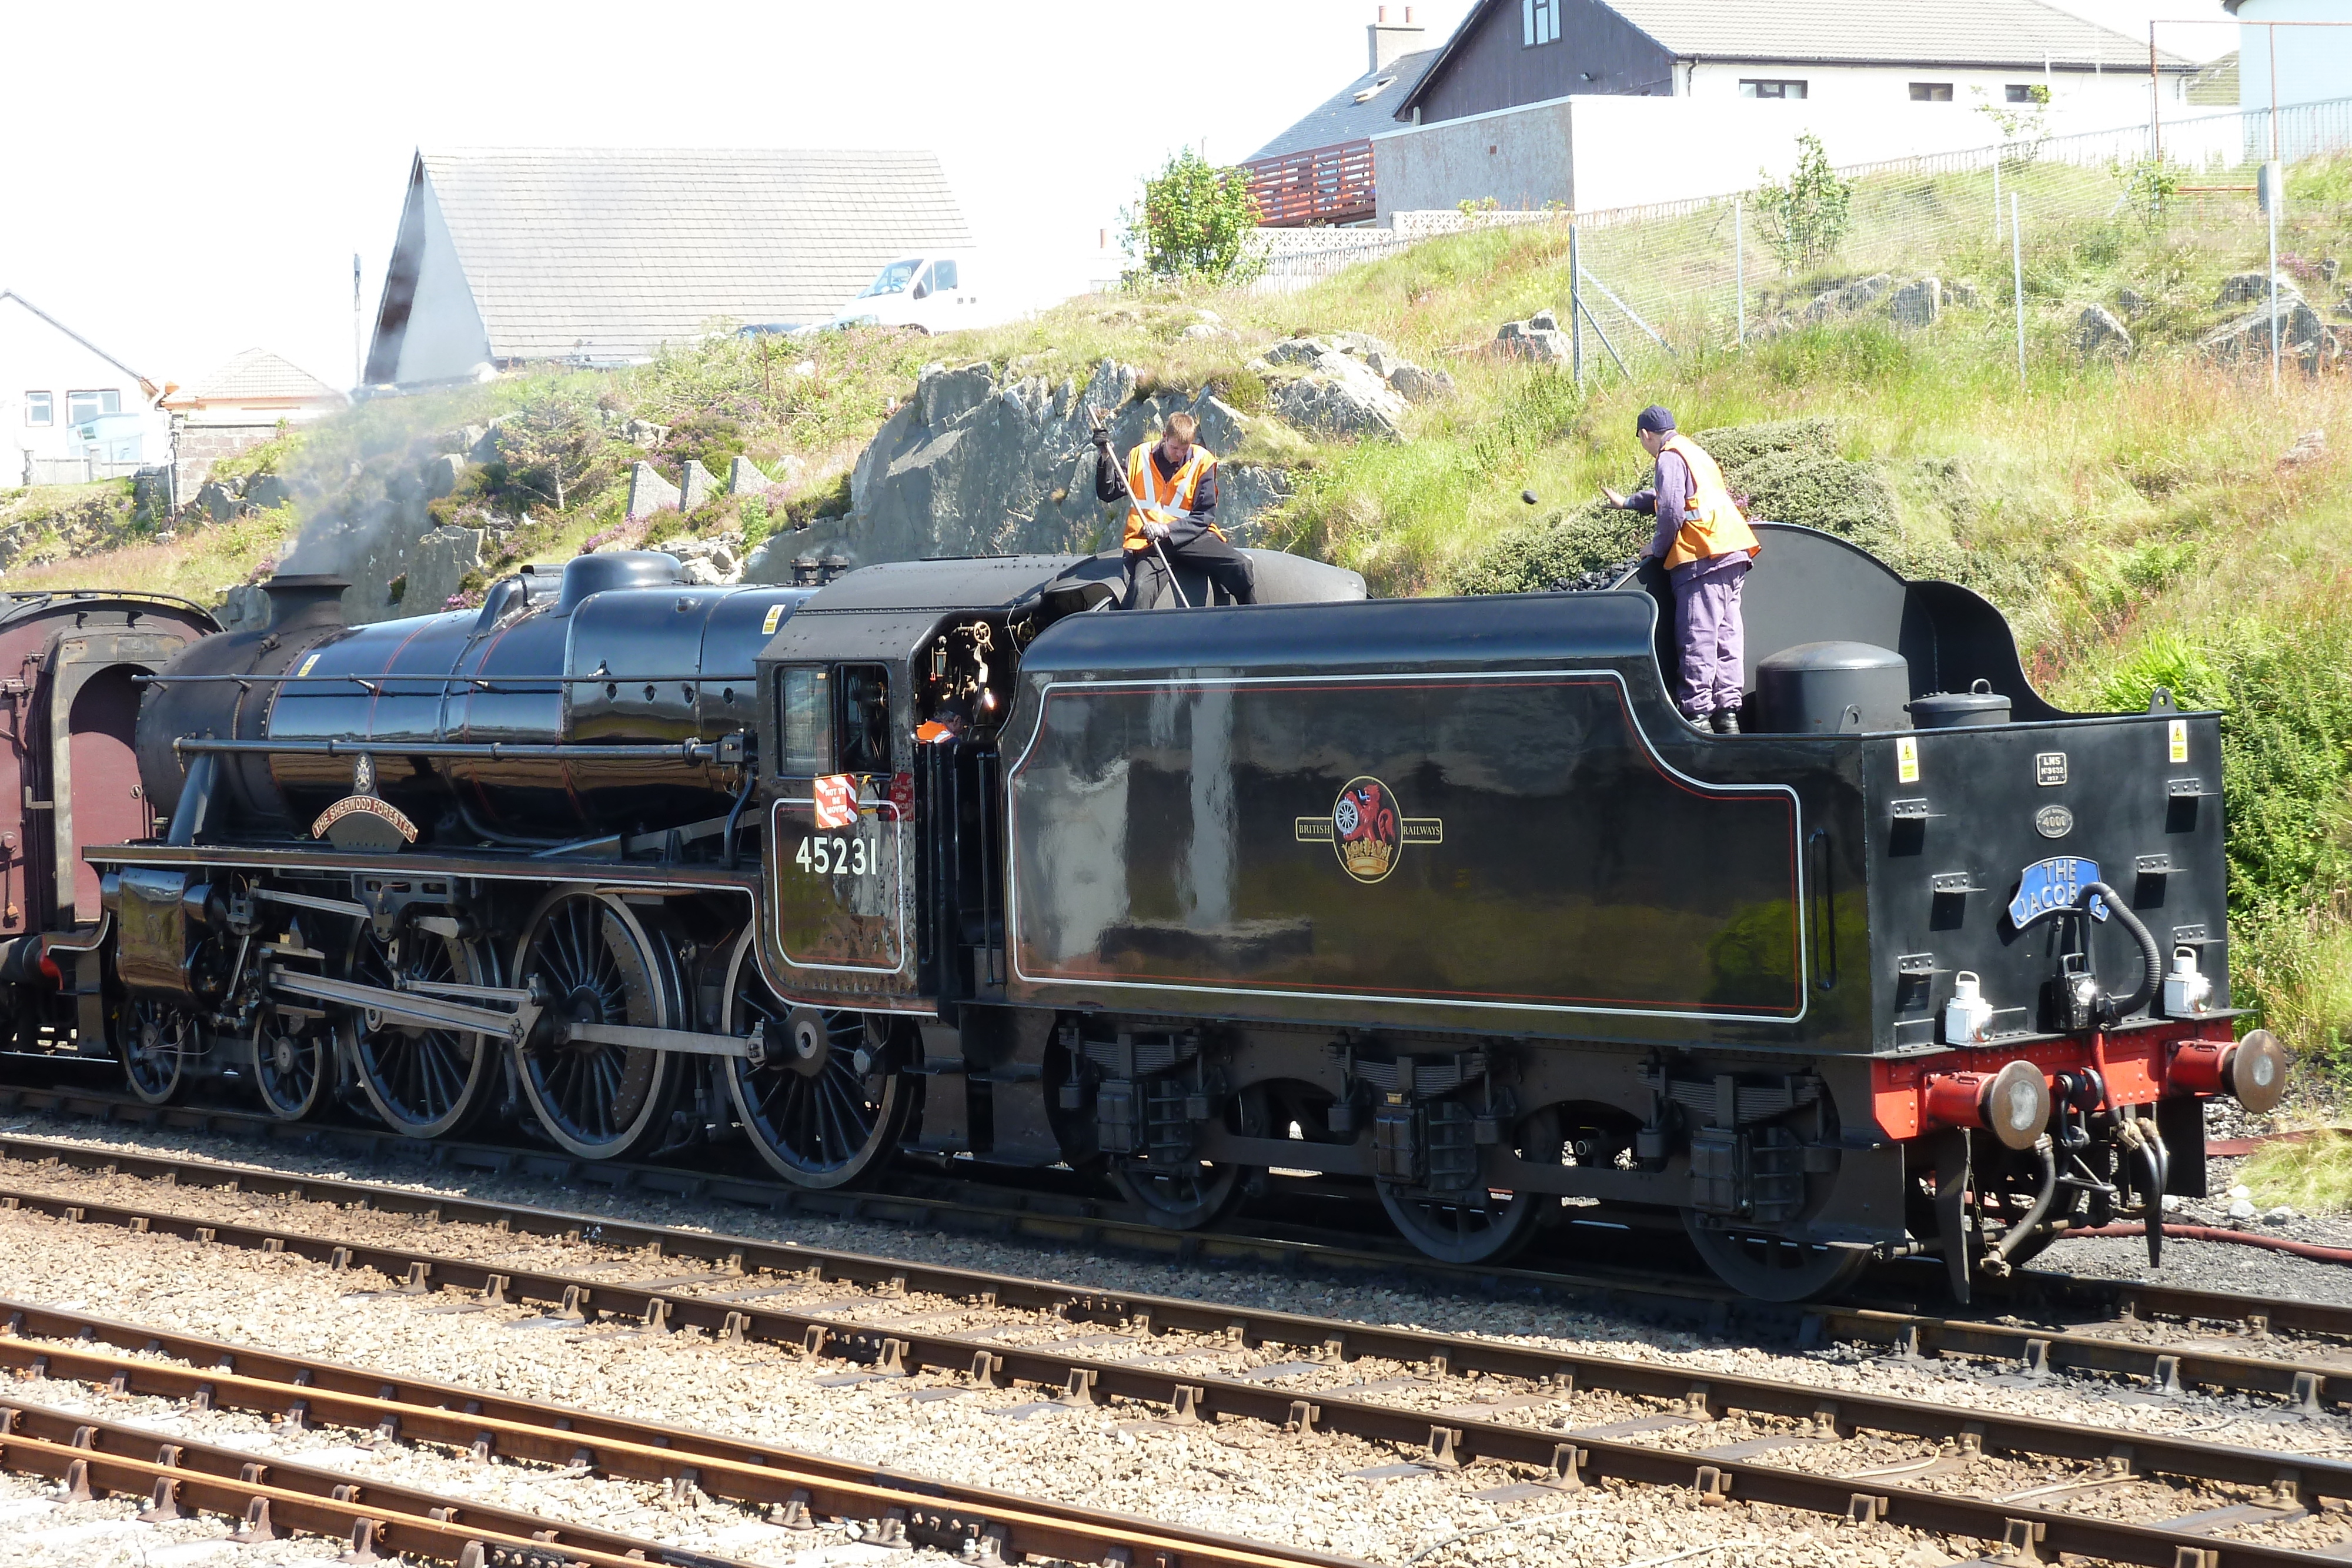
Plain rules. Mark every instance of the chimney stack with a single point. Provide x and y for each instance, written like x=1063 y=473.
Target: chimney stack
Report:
x=1389 y=39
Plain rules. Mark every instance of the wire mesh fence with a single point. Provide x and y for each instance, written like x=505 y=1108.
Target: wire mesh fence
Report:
x=2151 y=211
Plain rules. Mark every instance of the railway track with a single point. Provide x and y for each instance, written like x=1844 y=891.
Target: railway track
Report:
x=1557 y=1419
x=793 y=1489
x=2051 y=1323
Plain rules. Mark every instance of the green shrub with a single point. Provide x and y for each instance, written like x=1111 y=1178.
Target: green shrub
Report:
x=1532 y=561
x=820 y=500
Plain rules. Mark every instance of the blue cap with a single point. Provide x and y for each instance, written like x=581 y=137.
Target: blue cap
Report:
x=1654 y=420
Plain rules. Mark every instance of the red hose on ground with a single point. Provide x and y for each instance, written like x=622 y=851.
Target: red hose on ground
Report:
x=2317 y=1254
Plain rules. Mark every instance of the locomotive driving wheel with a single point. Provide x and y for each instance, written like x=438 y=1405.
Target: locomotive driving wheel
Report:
x=1484 y=1224
x=423 y=1081
x=1773 y=1267
x=819 y=1103
x=290 y=1069
x=158 y=1038
x=594 y=963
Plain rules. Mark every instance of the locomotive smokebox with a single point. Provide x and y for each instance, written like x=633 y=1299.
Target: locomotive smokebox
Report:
x=305 y=610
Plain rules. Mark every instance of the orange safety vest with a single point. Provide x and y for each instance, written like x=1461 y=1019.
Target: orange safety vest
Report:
x=1712 y=523
x=1172 y=494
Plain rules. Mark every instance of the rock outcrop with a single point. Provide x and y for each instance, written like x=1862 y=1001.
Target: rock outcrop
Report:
x=1917 y=303
x=437 y=566
x=1339 y=393
x=2303 y=340
x=2097 y=332
x=975 y=464
x=1538 y=338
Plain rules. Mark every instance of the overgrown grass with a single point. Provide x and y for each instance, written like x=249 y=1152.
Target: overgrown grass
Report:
x=2312 y=1173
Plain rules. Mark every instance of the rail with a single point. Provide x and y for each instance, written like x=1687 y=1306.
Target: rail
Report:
x=795 y=1486
x=1085 y=1374
x=693 y=753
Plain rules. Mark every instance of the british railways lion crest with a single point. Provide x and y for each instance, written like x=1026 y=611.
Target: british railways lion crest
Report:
x=1366 y=830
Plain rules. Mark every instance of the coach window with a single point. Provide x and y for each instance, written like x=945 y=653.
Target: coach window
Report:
x=865 y=718
x=804 y=700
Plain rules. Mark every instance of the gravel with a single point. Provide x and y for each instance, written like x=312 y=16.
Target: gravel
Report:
x=1235 y=1477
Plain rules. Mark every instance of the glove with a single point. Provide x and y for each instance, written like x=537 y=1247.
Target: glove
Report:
x=1154 y=528
x=1101 y=439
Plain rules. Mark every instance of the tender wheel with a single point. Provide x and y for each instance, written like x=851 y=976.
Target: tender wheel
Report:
x=1485 y=1225
x=158 y=1039
x=1186 y=1194
x=1771 y=1269
x=289 y=1071
x=594 y=963
x=816 y=1105
x=423 y=1081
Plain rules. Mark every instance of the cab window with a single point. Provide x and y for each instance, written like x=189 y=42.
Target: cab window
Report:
x=865 y=718
x=804 y=699
x=943 y=276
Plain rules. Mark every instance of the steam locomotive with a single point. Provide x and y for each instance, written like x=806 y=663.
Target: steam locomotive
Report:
x=1440 y=898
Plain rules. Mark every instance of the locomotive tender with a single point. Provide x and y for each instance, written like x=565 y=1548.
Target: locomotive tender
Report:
x=1437 y=895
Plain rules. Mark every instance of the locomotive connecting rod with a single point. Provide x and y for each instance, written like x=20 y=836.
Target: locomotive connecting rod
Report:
x=409 y=1005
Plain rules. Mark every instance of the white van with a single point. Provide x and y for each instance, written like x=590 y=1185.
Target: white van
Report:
x=934 y=293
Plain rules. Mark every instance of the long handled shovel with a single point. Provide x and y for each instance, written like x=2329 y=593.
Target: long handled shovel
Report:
x=1095 y=418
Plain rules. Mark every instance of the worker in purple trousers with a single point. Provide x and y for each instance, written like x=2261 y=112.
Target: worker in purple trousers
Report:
x=1706 y=545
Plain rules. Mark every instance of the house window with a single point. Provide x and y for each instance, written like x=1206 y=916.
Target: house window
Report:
x=40 y=408
x=2019 y=92
x=1749 y=89
x=81 y=407
x=1931 y=92
x=1538 y=21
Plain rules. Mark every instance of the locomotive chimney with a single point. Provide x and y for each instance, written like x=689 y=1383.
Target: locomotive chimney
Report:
x=305 y=600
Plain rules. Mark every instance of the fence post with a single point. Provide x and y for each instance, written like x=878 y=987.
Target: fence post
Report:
x=1575 y=307
x=1996 y=195
x=1739 y=265
x=2017 y=271
x=2274 y=195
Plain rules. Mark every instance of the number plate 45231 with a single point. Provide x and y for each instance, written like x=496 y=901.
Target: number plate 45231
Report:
x=823 y=854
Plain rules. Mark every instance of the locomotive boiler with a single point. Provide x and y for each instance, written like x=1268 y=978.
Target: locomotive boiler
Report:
x=1439 y=898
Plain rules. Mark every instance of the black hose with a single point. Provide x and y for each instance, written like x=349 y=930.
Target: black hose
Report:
x=2023 y=1231
x=2154 y=977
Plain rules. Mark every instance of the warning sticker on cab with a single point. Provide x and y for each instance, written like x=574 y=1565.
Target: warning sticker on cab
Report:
x=1906 y=760
x=2179 y=740
x=307 y=665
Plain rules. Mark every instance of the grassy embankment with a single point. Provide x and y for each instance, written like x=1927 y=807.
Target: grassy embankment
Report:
x=2133 y=518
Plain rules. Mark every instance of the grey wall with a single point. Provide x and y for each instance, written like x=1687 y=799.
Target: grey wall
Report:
x=1521 y=160
x=1493 y=69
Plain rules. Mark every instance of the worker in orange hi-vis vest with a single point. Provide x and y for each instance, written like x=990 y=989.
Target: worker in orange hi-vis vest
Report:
x=1706 y=545
x=1175 y=484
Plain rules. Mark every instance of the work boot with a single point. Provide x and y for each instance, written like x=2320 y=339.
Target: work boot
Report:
x=1727 y=721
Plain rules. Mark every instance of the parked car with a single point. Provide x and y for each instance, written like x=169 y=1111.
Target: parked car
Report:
x=932 y=294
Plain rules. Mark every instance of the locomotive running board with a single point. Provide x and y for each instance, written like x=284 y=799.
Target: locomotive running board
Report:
x=406 y=1005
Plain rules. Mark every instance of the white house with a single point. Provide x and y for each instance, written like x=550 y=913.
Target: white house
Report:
x=69 y=411
x=2314 y=63
x=601 y=256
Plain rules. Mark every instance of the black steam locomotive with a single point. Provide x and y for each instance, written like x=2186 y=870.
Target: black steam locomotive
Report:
x=1438 y=896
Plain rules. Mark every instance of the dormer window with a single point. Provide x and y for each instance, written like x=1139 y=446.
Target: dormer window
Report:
x=1540 y=21
x=1375 y=90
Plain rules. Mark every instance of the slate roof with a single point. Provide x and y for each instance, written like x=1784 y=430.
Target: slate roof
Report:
x=1341 y=118
x=1994 y=35
x=613 y=252
x=257 y=375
